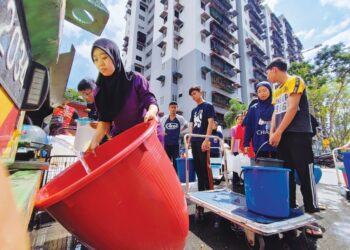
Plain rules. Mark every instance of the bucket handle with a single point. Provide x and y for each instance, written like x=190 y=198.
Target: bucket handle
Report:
x=258 y=151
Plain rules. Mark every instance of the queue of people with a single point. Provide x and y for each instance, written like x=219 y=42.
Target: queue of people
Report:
x=276 y=125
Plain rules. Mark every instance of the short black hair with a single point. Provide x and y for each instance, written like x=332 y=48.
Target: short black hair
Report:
x=86 y=84
x=172 y=103
x=194 y=88
x=279 y=63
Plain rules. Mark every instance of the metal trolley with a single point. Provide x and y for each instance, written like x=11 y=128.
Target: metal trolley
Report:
x=344 y=190
x=232 y=206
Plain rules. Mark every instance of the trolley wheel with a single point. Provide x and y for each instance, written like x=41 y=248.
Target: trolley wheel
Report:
x=254 y=241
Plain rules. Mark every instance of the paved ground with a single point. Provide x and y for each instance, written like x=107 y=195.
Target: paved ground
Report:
x=335 y=220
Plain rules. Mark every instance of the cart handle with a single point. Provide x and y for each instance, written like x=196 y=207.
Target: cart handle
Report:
x=186 y=155
x=335 y=160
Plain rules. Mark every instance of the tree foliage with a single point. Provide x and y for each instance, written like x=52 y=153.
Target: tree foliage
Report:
x=236 y=107
x=328 y=79
x=72 y=95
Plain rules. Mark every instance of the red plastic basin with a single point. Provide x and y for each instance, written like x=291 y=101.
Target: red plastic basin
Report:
x=132 y=199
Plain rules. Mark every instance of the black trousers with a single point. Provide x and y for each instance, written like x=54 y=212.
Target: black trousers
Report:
x=201 y=166
x=296 y=150
x=173 y=153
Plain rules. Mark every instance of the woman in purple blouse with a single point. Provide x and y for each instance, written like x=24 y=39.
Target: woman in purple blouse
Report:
x=122 y=98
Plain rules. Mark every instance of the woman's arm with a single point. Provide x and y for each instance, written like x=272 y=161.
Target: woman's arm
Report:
x=101 y=130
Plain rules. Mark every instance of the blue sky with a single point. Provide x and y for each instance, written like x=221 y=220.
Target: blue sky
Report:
x=314 y=21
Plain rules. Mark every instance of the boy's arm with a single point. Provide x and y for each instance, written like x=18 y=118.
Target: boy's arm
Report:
x=292 y=109
x=273 y=123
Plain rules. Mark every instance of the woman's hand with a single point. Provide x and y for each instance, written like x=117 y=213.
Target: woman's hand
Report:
x=151 y=113
x=101 y=130
x=205 y=145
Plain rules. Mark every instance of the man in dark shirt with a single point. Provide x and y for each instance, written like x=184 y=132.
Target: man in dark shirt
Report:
x=86 y=90
x=201 y=121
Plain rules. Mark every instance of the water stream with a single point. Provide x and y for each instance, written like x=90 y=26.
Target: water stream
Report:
x=80 y=155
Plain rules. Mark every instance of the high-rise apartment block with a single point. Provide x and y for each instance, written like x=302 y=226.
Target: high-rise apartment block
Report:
x=221 y=45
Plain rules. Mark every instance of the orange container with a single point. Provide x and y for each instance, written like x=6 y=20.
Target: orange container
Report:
x=132 y=199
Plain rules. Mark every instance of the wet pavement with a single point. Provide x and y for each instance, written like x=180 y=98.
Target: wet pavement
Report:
x=335 y=221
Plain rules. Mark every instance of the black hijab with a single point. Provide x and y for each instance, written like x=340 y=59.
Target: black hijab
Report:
x=115 y=89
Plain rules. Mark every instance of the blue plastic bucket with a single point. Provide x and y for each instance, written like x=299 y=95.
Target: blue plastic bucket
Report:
x=317 y=175
x=346 y=160
x=267 y=190
x=181 y=169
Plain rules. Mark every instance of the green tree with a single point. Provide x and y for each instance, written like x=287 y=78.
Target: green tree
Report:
x=72 y=95
x=236 y=107
x=328 y=90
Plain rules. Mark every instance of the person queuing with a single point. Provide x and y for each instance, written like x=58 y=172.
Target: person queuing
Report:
x=291 y=133
x=86 y=90
x=258 y=122
x=201 y=121
x=173 y=124
x=122 y=99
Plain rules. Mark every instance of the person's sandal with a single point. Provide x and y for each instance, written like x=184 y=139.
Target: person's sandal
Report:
x=313 y=230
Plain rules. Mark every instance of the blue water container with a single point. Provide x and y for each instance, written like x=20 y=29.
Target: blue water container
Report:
x=317 y=175
x=346 y=160
x=181 y=169
x=267 y=190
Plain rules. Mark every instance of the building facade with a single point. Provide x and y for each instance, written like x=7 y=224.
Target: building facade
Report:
x=221 y=45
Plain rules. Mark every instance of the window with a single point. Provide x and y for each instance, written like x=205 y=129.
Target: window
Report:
x=204 y=75
x=161 y=100
x=141 y=27
x=139 y=47
x=203 y=39
x=174 y=79
x=142 y=7
x=142 y=17
x=204 y=94
x=180 y=95
x=203 y=57
x=202 y=5
x=176 y=45
x=139 y=58
x=176 y=14
x=173 y=98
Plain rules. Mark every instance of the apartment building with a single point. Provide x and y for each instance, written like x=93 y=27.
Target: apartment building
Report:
x=221 y=45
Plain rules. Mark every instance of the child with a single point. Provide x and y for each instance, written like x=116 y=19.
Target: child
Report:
x=258 y=122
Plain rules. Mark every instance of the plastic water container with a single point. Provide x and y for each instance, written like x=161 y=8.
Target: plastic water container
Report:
x=84 y=134
x=346 y=161
x=317 y=175
x=132 y=199
x=181 y=169
x=267 y=190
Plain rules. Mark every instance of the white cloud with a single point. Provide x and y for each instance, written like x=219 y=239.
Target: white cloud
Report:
x=343 y=37
x=333 y=29
x=71 y=30
x=83 y=49
x=306 y=34
x=336 y=3
x=272 y=4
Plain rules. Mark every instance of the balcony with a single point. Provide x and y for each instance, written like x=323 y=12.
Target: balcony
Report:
x=205 y=69
x=221 y=5
x=128 y=11
x=234 y=27
x=221 y=33
x=204 y=17
x=299 y=44
x=178 y=6
x=220 y=18
x=233 y=13
x=220 y=100
x=254 y=16
x=220 y=48
x=259 y=74
x=258 y=63
x=252 y=5
x=223 y=67
x=223 y=83
x=177 y=74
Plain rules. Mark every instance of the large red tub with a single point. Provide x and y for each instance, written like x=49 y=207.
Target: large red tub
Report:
x=132 y=199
